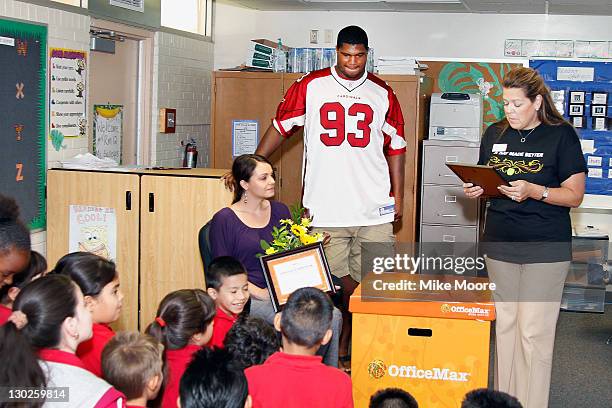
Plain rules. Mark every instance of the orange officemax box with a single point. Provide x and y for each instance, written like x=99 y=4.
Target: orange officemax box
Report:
x=426 y=334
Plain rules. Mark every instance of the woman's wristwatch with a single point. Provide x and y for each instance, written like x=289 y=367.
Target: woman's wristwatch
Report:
x=544 y=194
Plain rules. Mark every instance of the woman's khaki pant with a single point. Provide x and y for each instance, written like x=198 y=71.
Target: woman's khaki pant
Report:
x=527 y=300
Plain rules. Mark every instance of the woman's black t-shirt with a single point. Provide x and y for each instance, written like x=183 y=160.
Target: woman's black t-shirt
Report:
x=548 y=156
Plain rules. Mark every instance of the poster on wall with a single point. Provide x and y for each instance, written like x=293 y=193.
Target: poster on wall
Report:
x=67 y=85
x=245 y=136
x=93 y=229
x=484 y=78
x=108 y=131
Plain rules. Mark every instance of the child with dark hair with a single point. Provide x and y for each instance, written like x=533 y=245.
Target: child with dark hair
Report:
x=99 y=281
x=183 y=325
x=227 y=283
x=485 y=398
x=133 y=363
x=14 y=241
x=39 y=341
x=8 y=293
x=212 y=380
x=296 y=377
x=251 y=341
x=393 y=398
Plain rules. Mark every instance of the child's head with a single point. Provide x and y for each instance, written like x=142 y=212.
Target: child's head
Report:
x=306 y=318
x=99 y=281
x=393 y=398
x=213 y=380
x=14 y=241
x=183 y=317
x=132 y=363
x=251 y=341
x=485 y=398
x=227 y=283
x=36 y=268
x=48 y=313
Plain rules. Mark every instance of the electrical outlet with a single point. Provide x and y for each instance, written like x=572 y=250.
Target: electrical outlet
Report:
x=329 y=36
x=314 y=36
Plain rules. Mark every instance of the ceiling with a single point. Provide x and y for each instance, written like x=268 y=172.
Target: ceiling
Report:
x=571 y=7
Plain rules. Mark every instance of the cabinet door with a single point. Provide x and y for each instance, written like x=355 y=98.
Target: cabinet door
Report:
x=241 y=96
x=66 y=188
x=173 y=209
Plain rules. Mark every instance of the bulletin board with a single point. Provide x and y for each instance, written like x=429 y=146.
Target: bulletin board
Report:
x=473 y=77
x=23 y=52
x=582 y=91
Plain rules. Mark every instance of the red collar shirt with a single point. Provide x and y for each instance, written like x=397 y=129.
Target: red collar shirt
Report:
x=293 y=381
x=176 y=362
x=90 y=351
x=223 y=324
x=63 y=369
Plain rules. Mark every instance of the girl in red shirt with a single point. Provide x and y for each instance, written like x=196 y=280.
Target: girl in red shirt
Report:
x=99 y=281
x=37 y=345
x=184 y=324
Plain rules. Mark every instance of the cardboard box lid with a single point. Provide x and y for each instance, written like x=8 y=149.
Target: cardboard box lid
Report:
x=414 y=298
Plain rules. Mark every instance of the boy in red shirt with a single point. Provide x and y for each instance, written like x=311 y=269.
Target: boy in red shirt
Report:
x=227 y=283
x=132 y=363
x=296 y=377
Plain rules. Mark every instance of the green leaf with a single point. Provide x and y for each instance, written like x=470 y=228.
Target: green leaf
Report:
x=264 y=244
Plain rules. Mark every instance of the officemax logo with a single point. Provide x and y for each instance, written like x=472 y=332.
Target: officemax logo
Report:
x=468 y=311
x=435 y=373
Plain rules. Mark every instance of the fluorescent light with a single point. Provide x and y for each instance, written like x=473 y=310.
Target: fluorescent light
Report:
x=387 y=1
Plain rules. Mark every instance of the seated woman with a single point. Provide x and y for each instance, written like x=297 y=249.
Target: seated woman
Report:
x=238 y=229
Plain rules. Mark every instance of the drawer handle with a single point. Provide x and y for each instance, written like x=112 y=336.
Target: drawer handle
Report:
x=448 y=238
x=448 y=175
x=450 y=198
x=452 y=159
x=448 y=215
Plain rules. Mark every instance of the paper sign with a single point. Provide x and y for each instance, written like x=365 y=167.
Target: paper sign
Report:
x=93 y=229
x=245 y=136
x=67 y=110
x=7 y=41
x=108 y=131
x=512 y=48
x=595 y=172
x=576 y=74
x=594 y=161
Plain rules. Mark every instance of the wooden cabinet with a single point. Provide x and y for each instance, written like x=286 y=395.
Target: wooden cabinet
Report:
x=157 y=232
x=255 y=96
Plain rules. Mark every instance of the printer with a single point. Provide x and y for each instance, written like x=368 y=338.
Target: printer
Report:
x=455 y=116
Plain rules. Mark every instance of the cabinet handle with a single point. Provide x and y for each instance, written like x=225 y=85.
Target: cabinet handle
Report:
x=128 y=200
x=448 y=215
x=452 y=159
x=151 y=202
x=448 y=238
x=450 y=199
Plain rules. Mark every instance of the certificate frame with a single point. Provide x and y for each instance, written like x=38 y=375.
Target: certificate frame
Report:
x=286 y=272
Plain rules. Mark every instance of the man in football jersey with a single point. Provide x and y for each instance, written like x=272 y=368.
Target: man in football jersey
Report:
x=353 y=168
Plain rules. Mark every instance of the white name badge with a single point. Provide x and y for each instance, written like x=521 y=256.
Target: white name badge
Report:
x=499 y=147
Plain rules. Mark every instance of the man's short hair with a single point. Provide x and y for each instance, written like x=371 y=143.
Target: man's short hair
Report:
x=130 y=360
x=353 y=35
x=485 y=398
x=222 y=267
x=393 y=398
x=251 y=341
x=212 y=379
x=306 y=317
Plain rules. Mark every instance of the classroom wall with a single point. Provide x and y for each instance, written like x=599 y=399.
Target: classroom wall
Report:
x=426 y=35
x=182 y=70
x=65 y=30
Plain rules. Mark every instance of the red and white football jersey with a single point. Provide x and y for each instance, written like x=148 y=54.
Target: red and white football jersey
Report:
x=349 y=128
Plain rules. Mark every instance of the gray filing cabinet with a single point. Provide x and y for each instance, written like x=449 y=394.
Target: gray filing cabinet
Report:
x=447 y=215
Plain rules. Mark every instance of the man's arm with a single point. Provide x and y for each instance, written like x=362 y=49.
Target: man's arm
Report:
x=271 y=140
x=396 y=171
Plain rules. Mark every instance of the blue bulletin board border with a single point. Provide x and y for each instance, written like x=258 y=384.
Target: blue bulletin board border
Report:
x=38 y=33
x=599 y=182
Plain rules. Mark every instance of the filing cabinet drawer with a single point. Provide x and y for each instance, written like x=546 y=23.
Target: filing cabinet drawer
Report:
x=445 y=233
x=448 y=205
x=436 y=157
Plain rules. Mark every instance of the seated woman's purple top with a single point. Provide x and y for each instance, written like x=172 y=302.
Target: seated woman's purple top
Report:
x=231 y=237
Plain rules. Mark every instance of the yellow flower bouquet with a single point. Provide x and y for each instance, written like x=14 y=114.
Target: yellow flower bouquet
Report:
x=293 y=233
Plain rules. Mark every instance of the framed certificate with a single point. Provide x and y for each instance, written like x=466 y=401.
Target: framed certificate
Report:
x=285 y=272
x=577 y=96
